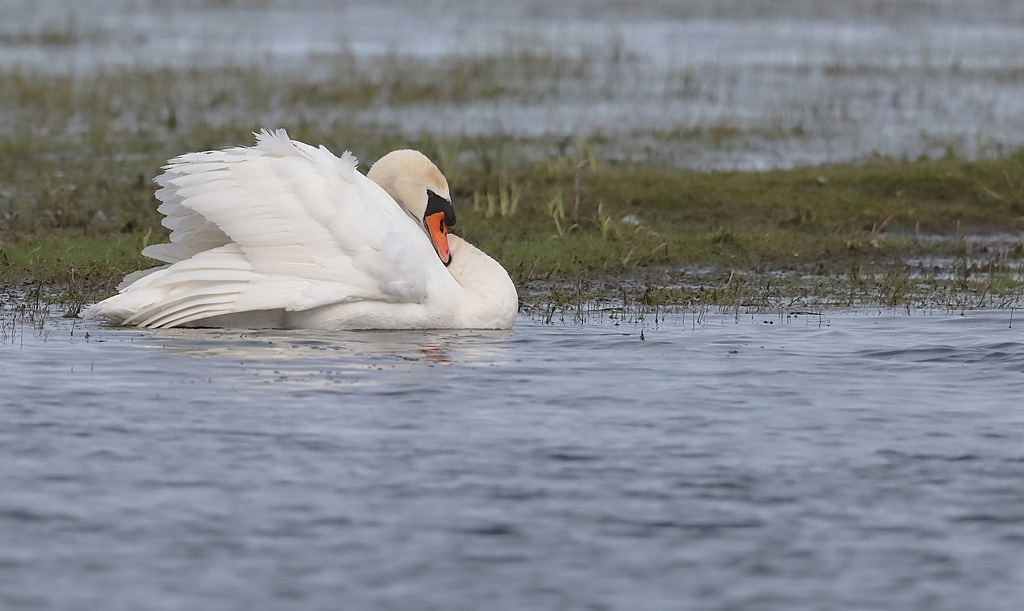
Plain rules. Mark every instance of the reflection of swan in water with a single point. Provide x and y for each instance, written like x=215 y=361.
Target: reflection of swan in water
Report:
x=379 y=367
x=284 y=235
x=316 y=350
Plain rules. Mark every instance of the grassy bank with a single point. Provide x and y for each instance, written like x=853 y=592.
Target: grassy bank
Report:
x=879 y=232
x=570 y=218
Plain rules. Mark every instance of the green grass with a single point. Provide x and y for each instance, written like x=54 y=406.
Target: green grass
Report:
x=843 y=230
x=823 y=219
x=78 y=155
x=95 y=262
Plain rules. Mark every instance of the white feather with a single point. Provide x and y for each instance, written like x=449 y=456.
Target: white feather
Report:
x=279 y=225
x=286 y=227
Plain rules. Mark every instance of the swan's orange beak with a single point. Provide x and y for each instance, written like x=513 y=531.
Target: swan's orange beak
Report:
x=438 y=232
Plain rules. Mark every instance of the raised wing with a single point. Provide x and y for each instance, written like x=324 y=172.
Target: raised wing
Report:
x=279 y=225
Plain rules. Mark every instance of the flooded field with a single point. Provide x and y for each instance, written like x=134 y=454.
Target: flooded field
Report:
x=851 y=460
x=696 y=84
x=749 y=451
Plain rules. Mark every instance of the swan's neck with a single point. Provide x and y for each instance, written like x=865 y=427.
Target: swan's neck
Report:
x=489 y=299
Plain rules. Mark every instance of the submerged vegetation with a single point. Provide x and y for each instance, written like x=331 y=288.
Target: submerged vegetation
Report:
x=573 y=219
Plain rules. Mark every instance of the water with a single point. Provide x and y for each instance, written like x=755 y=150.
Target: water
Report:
x=722 y=84
x=856 y=460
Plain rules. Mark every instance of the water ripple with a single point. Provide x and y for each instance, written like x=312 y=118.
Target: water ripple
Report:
x=869 y=463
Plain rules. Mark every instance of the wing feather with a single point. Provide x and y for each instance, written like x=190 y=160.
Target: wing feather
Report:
x=281 y=225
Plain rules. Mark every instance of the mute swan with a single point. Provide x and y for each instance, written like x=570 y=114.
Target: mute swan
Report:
x=286 y=235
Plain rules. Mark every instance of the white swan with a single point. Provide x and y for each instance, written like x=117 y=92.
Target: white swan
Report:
x=286 y=235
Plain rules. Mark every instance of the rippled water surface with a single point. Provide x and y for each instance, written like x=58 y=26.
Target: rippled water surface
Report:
x=857 y=460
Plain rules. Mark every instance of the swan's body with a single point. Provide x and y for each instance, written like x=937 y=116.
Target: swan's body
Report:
x=285 y=235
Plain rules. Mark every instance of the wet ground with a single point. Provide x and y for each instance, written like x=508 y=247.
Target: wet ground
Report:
x=699 y=84
x=853 y=460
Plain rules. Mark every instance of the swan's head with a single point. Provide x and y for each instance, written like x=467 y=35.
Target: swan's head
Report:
x=419 y=187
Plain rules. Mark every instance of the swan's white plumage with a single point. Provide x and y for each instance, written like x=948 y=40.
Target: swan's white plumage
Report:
x=283 y=226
